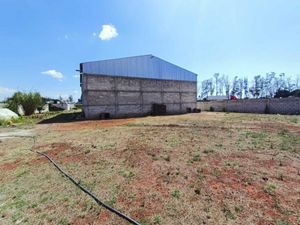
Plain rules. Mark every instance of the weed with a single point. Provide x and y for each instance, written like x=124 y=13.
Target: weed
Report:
x=176 y=193
x=64 y=221
x=259 y=136
x=283 y=222
x=127 y=174
x=34 y=205
x=208 y=151
x=19 y=203
x=228 y=213
x=294 y=120
x=200 y=177
x=157 y=219
x=238 y=208
x=288 y=141
x=270 y=188
x=109 y=146
x=21 y=174
x=196 y=158
x=173 y=142
x=206 y=209
x=112 y=201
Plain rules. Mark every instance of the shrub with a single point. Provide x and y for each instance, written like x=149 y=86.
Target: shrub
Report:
x=29 y=101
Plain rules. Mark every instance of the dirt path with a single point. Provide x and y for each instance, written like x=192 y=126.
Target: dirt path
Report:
x=13 y=132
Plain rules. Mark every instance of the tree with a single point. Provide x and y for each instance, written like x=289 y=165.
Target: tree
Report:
x=29 y=101
x=216 y=75
x=205 y=89
x=271 y=84
x=240 y=88
x=235 y=86
x=255 y=90
x=227 y=85
x=290 y=86
x=246 y=87
x=70 y=98
x=297 y=81
x=281 y=81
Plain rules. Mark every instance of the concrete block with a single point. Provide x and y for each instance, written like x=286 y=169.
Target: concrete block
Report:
x=95 y=82
x=124 y=98
x=146 y=109
x=188 y=97
x=171 y=97
x=170 y=85
x=93 y=112
x=188 y=86
x=129 y=110
x=152 y=97
x=173 y=108
x=99 y=98
x=151 y=85
x=127 y=84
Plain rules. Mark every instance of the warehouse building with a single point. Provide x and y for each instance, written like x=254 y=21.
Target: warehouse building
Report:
x=136 y=86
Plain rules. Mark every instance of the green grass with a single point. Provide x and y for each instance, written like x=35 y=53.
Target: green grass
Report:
x=33 y=119
x=176 y=193
x=270 y=188
x=288 y=141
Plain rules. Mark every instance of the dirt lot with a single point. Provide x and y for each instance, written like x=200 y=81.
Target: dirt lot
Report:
x=207 y=168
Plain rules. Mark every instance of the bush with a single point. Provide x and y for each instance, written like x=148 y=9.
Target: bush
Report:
x=29 y=101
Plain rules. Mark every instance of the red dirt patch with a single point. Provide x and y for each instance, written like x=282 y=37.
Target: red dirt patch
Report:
x=56 y=152
x=245 y=180
x=10 y=165
x=92 y=124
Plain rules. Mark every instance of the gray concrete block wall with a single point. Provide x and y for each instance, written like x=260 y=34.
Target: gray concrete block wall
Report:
x=274 y=106
x=125 y=97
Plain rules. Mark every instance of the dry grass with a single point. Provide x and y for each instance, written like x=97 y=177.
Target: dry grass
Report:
x=208 y=168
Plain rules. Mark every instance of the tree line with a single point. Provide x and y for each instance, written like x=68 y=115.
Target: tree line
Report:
x=259 y=87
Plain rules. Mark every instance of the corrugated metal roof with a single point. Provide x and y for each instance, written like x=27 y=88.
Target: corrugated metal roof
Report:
x=145 y=66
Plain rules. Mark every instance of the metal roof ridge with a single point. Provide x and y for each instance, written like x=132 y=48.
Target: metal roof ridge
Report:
x=134 y=56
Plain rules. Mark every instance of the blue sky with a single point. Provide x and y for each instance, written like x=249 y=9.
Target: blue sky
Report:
x=43 y=42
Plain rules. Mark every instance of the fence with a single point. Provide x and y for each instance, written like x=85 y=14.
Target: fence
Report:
x=289 y=105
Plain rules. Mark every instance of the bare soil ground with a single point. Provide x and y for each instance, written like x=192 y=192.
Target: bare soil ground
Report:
x=207 y=168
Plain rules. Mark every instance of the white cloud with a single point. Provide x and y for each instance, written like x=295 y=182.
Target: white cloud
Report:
x=66 y=37
x=108 y=32
x=94 y=34
x=76 y=76
x=5 y=90
x=55 y=74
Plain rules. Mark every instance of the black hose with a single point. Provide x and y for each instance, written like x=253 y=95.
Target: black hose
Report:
x=98 y=201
